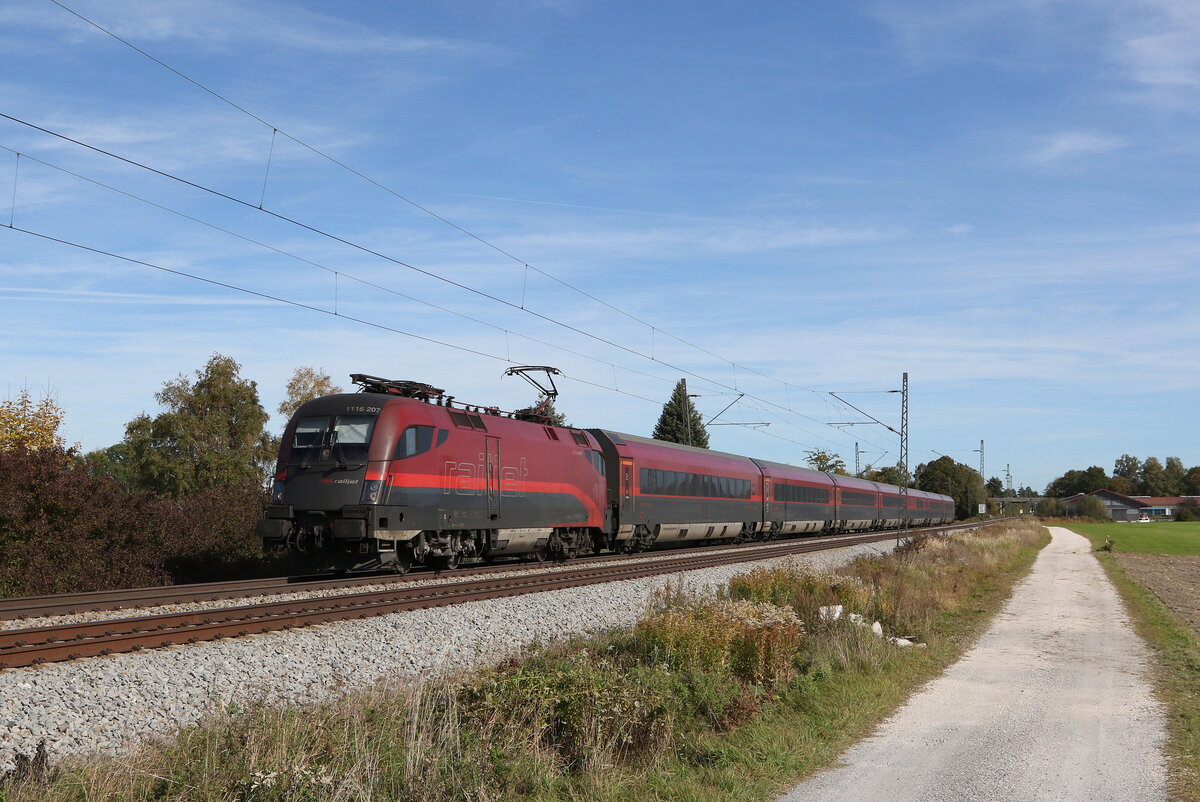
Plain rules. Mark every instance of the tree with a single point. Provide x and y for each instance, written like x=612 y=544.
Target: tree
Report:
x=1128 y=466
x=113 y=462
x=888 y=475
x=995 y=488
x=1174 y=477
x=1074 y=481
x=1153 y=478
x=961 y=482
x=549 y=415
x=212 y=434
x=305 y=385
x=1123 y=485
x=33 y=425
x=1191 y=482
x=680 y=421
x=1188 y=510
x=825 y=462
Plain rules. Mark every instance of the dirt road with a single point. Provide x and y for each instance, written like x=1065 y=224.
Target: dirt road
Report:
x=1053 y=703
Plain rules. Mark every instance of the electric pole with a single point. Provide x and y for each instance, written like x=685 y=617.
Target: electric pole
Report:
x=687 y=413
x=903 y=530
x=857 y=467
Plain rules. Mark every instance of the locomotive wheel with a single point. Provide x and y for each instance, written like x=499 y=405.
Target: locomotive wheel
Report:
x=447 y=562
x=539 y=555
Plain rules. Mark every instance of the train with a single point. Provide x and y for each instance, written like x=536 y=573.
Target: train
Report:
x=397 y=475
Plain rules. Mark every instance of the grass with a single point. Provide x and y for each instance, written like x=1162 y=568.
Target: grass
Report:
x=1159 y=537
x=1176 y=675
x=714 y=698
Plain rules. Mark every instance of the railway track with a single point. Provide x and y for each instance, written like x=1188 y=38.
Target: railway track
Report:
x=36 y=645
x=132 y=598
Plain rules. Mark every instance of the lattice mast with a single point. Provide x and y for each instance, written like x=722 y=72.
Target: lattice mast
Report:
x=903 y=530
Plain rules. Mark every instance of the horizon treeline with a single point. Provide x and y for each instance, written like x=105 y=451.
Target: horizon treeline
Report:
x=1131 y=477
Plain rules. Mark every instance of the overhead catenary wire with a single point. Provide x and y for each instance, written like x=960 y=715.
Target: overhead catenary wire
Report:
x=313 y=308
x=275 y=130
x=404 y=198
x=370 y=251
x=300 y=305
x=337 y=274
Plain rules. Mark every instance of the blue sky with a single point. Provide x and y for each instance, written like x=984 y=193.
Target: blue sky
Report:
x=781 y=199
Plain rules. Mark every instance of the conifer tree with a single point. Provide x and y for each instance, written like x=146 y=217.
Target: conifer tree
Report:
x=680 y=421
x=548 y=416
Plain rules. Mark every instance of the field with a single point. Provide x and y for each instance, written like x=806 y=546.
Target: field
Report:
x=1160 y=537
x=1164 y=557
x=1156 y=567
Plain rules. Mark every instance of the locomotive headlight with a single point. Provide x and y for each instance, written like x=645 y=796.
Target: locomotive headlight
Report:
x=277 y=492
x=370 y=491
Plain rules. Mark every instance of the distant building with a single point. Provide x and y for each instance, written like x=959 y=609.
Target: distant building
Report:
x=1130 y=508
x=1162 y=506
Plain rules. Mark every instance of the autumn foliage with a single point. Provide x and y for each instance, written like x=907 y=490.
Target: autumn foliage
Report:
x=64 y=528
x=175 y=502
x=29 y=423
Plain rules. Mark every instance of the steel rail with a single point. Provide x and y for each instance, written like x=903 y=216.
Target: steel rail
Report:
x=24 y=647
x=130 y=598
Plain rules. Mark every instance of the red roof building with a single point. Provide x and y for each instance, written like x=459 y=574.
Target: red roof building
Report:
x=1132 y=508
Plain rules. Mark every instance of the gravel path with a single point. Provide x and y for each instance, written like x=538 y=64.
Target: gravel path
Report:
x=1053 y=703
x=106 y=704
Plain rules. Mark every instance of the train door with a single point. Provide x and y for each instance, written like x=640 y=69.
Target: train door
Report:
x=627 y=506
x=766 y=501
x=492 y=480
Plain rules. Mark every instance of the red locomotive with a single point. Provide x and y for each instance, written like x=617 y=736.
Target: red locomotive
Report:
x=396 y=475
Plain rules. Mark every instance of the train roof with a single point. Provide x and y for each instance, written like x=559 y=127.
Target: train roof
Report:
x=619 y=437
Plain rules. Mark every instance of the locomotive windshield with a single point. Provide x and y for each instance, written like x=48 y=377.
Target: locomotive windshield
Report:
x=339 y=438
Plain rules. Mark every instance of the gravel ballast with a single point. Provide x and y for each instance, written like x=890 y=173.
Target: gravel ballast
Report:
x=108 y=704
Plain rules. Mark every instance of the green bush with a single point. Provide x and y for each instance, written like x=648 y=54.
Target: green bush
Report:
x=1050 y=508
x=1090 y=507
x=805 y=591
x=752 y=641
x=66 y=529
x=578 y=707
x=1188 y=510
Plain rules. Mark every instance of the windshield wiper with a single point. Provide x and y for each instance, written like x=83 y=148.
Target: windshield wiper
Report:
x=342 y=465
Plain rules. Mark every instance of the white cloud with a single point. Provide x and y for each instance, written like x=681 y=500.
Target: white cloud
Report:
x=217 y=23
x=1158 y=43
x=1057 y=148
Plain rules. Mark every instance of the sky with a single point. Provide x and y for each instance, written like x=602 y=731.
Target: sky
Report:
x=781 y=200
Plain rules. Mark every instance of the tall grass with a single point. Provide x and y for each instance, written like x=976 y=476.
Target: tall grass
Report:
x=695 y=700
